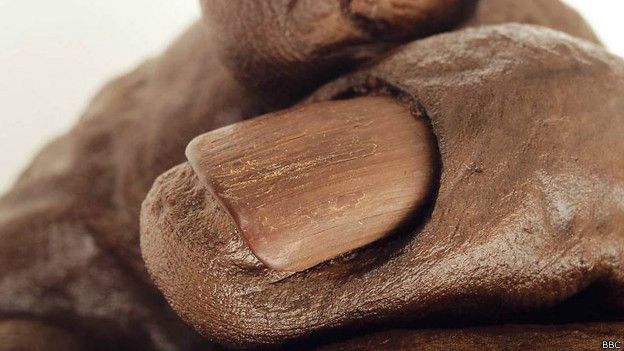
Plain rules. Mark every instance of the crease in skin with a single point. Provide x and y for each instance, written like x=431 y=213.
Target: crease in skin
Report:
x=530 y=262
x=396 y=18
x=498 y=243
x=134 y=130
x=312 y=40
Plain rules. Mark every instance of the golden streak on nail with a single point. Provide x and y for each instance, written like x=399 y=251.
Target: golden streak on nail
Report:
x=311 y=183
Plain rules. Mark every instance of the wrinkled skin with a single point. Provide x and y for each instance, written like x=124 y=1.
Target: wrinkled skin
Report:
x=529 y=212
x=318 y=39
x=69 y=228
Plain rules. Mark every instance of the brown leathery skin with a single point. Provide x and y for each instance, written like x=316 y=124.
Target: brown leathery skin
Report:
x=69 y=228
x=529 y=213
x=306 y=42
x=548 y=13
x=136 y=128
x=31 y=335
x=312 y=41
x=82 y=195
x=572 y=337
x=77 y=205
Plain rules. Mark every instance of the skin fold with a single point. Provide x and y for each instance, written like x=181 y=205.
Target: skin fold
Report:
x=529 y=211
x=272 y=44
x=69 y=227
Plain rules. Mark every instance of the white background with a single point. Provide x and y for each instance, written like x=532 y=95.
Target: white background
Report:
x=54 y=55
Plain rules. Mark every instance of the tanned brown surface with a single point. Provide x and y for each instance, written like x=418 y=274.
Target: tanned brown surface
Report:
x=529 y=212
x=30 y=335
x=69 y=228
x=553 y=14
x=288 y=47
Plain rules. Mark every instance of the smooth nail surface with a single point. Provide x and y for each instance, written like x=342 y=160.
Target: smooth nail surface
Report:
x=308 y=184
